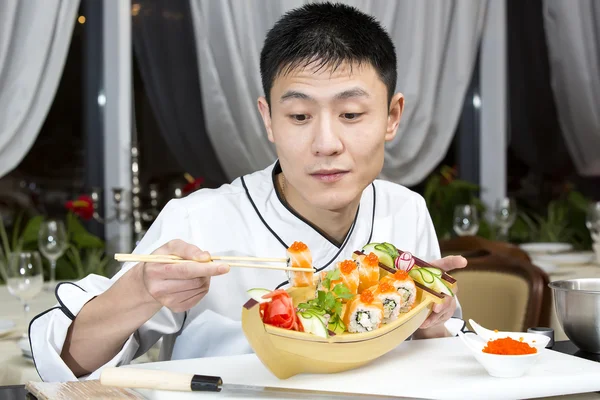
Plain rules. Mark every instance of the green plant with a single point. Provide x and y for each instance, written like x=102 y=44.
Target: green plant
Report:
x=88 y=261
x=84 y=255
x=562 y=221
x=443 y=191
x=17 y=239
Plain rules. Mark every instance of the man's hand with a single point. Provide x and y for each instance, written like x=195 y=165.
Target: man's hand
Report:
x=180 y=286
x=442 y=312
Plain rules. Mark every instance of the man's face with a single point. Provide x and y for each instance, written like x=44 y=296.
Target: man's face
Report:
x=329 y=129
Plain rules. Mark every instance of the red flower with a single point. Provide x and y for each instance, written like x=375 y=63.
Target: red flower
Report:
x=193 y=185
x=83 y=207
x=280 y=311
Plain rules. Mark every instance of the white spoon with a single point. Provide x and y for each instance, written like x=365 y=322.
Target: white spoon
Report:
x=468 y=342
x=486 y=334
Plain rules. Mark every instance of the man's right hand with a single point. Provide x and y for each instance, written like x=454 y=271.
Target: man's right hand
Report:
x=180 y=286
x=105 y=322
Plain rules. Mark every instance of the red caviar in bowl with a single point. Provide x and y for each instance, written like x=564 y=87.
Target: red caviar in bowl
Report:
x=508 y=346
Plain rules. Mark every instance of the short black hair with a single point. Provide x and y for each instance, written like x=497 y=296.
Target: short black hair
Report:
x=328 y=35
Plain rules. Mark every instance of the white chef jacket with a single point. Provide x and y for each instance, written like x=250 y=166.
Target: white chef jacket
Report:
x=244 y=218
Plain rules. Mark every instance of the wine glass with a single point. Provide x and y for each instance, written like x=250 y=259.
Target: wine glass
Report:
x=466 y=221
x=506 y=215
x=25 y=277
x=592 y=220
x=52 y=242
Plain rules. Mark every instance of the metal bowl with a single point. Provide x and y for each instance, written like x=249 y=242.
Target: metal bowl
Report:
x=577 y=303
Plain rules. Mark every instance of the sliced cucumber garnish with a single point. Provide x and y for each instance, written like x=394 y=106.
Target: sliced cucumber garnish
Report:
x=384 y=258
x=337 y=326
x=424 y=277
x=439 y=286
x=428 y=277
x=416 y=274
x=383 y=248
x=258 y=293
x=313 y=323
x=369 y=248
x=391 y=249
x=434 y=271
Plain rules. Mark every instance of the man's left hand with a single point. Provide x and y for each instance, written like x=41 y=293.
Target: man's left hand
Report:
x=444 y=311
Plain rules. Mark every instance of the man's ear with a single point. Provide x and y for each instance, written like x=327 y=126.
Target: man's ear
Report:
x=394 y=116
x=265 y=113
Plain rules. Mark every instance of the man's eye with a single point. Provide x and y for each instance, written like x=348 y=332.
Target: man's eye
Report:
x=351 y=116
x=299 y=117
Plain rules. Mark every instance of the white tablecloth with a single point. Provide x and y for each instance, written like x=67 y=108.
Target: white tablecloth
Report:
x=438 y=369
x=14 y=368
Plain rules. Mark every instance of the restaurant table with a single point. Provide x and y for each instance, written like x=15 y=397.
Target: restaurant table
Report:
x=18 y=391
x=14 y=368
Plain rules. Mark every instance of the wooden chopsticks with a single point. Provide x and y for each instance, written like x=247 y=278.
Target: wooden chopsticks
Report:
x=171 y=259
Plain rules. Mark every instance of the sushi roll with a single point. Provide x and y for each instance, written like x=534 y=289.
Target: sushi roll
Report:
x=368 y=270
x=364 y=313
x=348 y=276
x=299 y=256
x=405 y=287
x=390 y=298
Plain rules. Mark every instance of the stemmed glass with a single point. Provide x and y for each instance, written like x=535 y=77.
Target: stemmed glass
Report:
x=25 y=277
x=506 y=215
x=592 y=220
x=466 y=220
x=52 y=242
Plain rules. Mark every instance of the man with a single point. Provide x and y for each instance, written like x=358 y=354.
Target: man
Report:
x=329 y=75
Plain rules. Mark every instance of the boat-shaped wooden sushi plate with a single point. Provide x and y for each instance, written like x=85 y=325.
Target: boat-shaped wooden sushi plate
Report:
x=287 y=353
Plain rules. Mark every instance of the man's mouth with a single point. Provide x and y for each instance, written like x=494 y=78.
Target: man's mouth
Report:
x=329 y=175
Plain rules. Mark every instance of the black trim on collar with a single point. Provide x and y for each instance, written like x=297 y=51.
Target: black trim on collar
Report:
x=63 y=307
x=183 y=324
x=29 y=334
x=276 y=170
x=260 y=216
x=341 y=247
x=373 y=216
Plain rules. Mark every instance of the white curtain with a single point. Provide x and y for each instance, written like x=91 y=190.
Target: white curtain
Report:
x=34 y=41
x=436 y=43
x=573 y=38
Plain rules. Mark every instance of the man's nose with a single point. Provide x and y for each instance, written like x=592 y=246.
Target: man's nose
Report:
x=327 y=140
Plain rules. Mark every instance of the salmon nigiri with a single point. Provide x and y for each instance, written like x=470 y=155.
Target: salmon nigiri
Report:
x=299 y=256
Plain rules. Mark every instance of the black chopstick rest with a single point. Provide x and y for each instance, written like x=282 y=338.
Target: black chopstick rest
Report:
x=205 y=383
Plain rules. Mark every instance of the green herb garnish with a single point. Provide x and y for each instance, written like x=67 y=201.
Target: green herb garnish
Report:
x=330 y=302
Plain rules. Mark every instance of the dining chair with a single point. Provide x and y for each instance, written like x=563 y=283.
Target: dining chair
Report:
x=466 y=244
x=502 y=292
